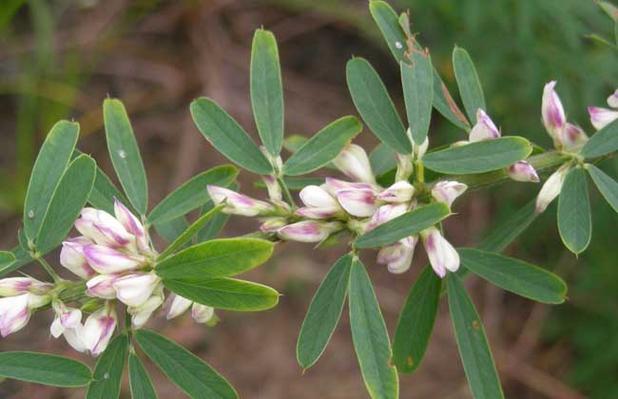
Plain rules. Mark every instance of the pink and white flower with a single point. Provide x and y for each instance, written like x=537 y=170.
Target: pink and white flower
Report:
x=236 y=203
x=103 y=229
x=484 y=128
x=107 y=260
x=200 y=313
x=551 y=188
x=13 y=286
x=386 y=213
x=400 y=191
x=358 y=202
x=308 y=231
x=522 y=171
x=447 y=191
x=354 y=163
x=98 y=329
x=72 y=257
x=14 y=313
x=319 y=203
x=442 y=256
x=398 y=256
x=601 y=117
x=554 y=117
x=136 y=288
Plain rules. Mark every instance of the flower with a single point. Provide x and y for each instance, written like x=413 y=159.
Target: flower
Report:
x=13 y=286
x=551 y=188
x=441 y=253
x=136 y=288
x=400 y=191
x=358 y=202
x=552 y=112
x=68 y=323
x=98 y=329
x=107 y=260
x=573 y=136
x=484 y=129
x=132 y=224
x=140 y=314
x=319 y=203
x=200 y=313
x=386 y=213
x=103 y=229
x=308 y=231
x=612 y=100
x=447 y=191
x=522 y=171
x=601 y=117
x=354 y=163
x=101 y=286
x=236 y=203
x=14 y=313
x=398 y=256
x=72 y=257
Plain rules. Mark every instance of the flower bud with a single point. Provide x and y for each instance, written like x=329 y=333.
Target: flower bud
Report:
x=202 y=313
x=552 y=111
x=12 y=286
x=308 y=231
x=441 y=253
x=237 y=204
x=141 y=314
x=484 y=129
x=447 y=191
x=14 y=313
x=522 y=171
x=274 y=189
x=401 y=191
x=319 y=203
x=573 y=136
x=612 y=100
x=551 y=188
x=398 y=256
x=101 y=286
x=601 y=117
x=271 y=225
x=132 y=224
x=98 y=329
x=104 y=229
x=360 y=203
x=354 y=163
x=178 y=306
x=107 y=260
x=72 y=257
x=386 y=213
x=134 y=289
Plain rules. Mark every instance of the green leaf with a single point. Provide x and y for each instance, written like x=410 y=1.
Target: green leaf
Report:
x=45 y=369
x=444 y=103
x=408 y=224
x=417 y=82
x=66 y=203
x=192 y=194
x=382 y=159
x=473 y=347
x=468 y=82
x=6 y=258
x=21 y=257
x=195 y=377
x=514 y=275
x=603 y=142
x=49 y=167
x=574 y=218
x=370 y=337
x=172 y=229
x=225 y=293
x=267 y=90
x=375 y=105
x=213 y=227
x=139 y=381
x=388 y=23
x=186 y=236
x=125 y=155
x=606 y=185
x=223 y=257
x=504 y=234
x=103 y=193
x=324 y=313
x=416 y=321
x=323 y=147
x=227 y=136
x=108 y=371
x=479 y=157
x=609 y=9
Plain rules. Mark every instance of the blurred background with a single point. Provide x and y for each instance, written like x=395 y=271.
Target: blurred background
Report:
x=61 y=58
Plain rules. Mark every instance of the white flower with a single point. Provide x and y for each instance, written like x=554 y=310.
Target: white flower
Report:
x=141 y=313
x=14 y=313
x=72 y=257
x=358 y=202
x=552 y=111
x=551 y=188
x=102 y=228
x=134 y=289
x=12 y=286
x=108 y=260
x=484 y=129
x=98 y=329
x=601 y=117
x=238 y=204
x=523 y=171
x=441 y=253
x=401 y=191
x=308 y=231
x=354 y=163
x=447 y=191
x=398 y=256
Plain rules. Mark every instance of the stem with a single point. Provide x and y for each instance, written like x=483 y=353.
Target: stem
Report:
x=52 y=273
x=286 y=192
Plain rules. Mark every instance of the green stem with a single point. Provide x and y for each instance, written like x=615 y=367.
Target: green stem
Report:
x=286 y=192
x=52 y=273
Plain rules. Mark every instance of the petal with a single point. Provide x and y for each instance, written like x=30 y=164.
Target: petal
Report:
x=601 y=117
x=101 y=286
x=72 y=257
x=237 y=204
x=317 y=197
x=178 y=306
x=202 y=313
x=552 y=111
x=447 y=191
x=354 y=163
x=551 y=189
x=135 y=289
x=98 y=329
x=484 y=129
x=612 y=100
x=401 y=191
x=523 y=171
x=361 y=203
x=107 y=260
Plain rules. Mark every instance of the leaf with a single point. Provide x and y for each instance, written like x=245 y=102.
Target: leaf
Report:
x=108 y=371
x=186 y=236
x=370 y=337
x=382 y=159
x=125 y=155
x=192 y=194
x=227 y=136
x=574 y=218
x=45 y=369
x=408 y=224
x=213 y=226
x=606 y=185
x=324 y=313
x=21 y=258
x=468 y=82
x=444 y=103
x=6 y=258
x=514 y=275
x=225 y=293
x=139 y=381
x=103 y=193
x=223 y=257
x=49 y=167
x=479 y=157
x=195 y=377
x=504 y=234
x=323 y=147
x=417 y=82
x=171 y=230
x=473 y=347
x=66 y=203
x=603 y=142
x=267 y=90
x=375 y=105
x=416 y=321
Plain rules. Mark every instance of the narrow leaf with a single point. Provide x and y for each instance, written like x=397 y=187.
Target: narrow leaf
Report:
x=370 y=337
x=192 y=194
x=195 y=377
x=49 y=167
x=216 y=258
x=500 y=237
x=514 y=275
x=375 y=105
x=324 y=313
x=172 y=229
x=213 y=226
x=408 y=224
x=190 y=232
x=45 y=369
x=139 y=381
x=108 y=371
x=603 y=142
x=323 y=147
x=416 y=322
x=382 y=159
x=417 y=81
x=444 y=103
x=125 y=155
x=267 y=90
x=468 y=82
x=226 y=293
x=6 y=258
x=574 y=217
x=103 y=193
x=227 y=136
x=21 y=258
x=473 y=347
x=606 y=185
x=479 y=157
